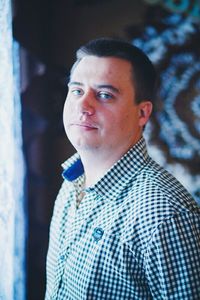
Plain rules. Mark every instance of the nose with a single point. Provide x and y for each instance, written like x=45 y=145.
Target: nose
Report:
x=86 y=105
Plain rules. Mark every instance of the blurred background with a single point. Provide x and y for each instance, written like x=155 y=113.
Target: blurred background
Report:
x=38 y=40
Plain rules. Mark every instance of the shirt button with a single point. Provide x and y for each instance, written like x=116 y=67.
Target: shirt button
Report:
x=97 y=234
x=62 y=257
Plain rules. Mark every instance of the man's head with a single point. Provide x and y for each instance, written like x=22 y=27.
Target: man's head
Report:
x=143 y=71
x=109 y=97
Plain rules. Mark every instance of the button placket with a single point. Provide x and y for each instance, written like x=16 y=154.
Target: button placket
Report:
x=65 y=252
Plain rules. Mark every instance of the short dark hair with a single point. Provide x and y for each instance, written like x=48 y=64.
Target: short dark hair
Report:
x=143 y=71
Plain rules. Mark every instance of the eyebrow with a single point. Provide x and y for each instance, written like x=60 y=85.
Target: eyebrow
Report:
x=108 y=86
x=101 y=86
x=75 y=83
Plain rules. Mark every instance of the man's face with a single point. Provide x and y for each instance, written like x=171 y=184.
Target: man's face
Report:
x=100 y=112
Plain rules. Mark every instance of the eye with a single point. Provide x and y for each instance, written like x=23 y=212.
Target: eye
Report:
x=104 y=96
x=76 y=91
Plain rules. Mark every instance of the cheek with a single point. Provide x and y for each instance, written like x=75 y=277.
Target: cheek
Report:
x=129 y=121
x=114 y=122
x=125 y=120
x=67 y=110
x=66 y=115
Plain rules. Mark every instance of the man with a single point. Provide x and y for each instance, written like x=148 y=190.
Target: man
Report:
x=122 y=227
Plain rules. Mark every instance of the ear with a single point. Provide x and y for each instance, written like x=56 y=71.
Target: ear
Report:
x=145 y=110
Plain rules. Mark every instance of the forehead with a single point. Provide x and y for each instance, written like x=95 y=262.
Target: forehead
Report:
x=102 y=68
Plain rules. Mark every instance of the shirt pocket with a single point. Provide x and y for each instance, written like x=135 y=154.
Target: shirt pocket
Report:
x=113 y=254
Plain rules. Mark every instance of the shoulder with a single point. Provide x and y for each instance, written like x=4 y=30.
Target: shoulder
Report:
x=153 y=198
x=162 y=187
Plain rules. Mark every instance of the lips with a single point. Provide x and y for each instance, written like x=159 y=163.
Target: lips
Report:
x=85 y=125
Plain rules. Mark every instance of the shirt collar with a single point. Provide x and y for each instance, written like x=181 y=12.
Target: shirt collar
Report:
x=73 y=168
x=117 y=177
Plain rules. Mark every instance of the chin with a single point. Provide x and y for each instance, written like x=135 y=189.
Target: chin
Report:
x=83 y=146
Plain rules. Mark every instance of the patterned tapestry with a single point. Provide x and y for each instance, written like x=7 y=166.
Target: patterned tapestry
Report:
x=12 y=221
x=172 y=42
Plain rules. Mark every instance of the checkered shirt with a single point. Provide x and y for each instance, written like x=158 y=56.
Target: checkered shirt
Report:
x=135 y=235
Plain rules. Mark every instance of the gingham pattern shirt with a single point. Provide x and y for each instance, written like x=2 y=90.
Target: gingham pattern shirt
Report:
x=135 y=235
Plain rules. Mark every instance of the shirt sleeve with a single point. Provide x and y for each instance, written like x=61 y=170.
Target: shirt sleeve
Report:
x=173 y=258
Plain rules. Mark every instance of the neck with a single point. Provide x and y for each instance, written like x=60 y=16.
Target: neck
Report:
x=95 y=167
x=96 y=163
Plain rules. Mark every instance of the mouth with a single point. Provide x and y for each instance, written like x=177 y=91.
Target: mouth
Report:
x=85 y=126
